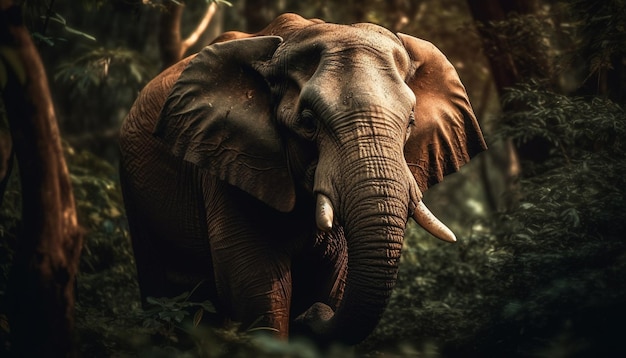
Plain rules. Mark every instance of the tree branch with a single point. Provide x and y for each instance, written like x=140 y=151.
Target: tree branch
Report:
x=202 y=26
x=172 y=46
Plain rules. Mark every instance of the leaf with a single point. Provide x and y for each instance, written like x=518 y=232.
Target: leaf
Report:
x=571 y=216
x=198 y=317
x=153 y=301
x=150 y=323
x=208 y=306
x=182 y=297
x=80 y=33
x=179 y=316
x=40 y=37
x=227 y=3
x=527 y=206
x=57 y=18
x=169 y=316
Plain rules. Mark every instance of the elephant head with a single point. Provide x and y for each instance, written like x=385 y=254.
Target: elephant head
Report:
x=358 y=117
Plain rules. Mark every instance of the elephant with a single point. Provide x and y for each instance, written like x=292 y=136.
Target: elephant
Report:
x=280 y=169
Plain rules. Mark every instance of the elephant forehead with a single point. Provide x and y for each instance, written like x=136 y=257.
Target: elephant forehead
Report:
x=346 y=43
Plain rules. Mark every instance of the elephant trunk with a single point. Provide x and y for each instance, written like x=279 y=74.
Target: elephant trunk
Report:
x=374 y=209
x=374 y=246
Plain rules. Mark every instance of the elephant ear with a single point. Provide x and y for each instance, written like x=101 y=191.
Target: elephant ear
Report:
x=446 y=133
x=218 y=116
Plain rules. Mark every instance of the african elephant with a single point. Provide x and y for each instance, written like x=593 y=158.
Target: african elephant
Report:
x=280 y=169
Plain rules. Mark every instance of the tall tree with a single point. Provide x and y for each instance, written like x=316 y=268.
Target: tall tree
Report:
x=41 y=284
x=508 y=69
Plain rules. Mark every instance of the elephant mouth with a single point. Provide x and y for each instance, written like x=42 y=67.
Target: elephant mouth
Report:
x=325 y=211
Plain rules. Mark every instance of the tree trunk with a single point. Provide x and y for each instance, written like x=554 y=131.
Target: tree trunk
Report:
x=40 y=291
x=170 y=43
x=503 y=67
x=506 y=73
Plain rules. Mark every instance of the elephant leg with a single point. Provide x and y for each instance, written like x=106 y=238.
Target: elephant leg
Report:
x=167 y=225
x=256 y=283
x=251 y=261
x=150 y=272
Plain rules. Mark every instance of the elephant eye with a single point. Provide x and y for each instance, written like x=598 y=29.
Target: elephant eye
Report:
x=408 y=127
x=307 y=123
x=411 y=119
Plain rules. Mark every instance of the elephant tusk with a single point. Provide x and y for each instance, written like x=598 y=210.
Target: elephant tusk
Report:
x=324 y=213
x=426 y=219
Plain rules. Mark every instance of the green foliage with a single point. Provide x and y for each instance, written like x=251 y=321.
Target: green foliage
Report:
x=57 y=18
x=523 y=42
x=167 y=312
x=602 y=33
x=105 y=67
x=565 y=238
x=40 y=16
x=100 y=213
x=107 y=291
x=442 y=292
x=577 y=128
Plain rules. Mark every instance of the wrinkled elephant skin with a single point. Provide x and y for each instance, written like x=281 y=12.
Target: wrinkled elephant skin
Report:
x=280 y=169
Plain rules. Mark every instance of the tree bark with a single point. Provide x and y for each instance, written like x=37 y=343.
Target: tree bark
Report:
x=169 y=34
x=40 y=291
